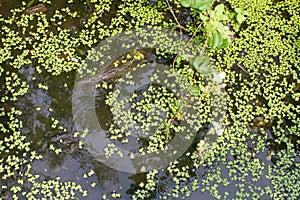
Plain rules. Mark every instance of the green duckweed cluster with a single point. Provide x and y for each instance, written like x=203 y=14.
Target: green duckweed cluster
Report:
x=152 y=111
x=50 y=44
x=257 y=156
x=261 y=142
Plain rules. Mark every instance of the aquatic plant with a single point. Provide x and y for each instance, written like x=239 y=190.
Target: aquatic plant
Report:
x=256 y=157
x=50 y=45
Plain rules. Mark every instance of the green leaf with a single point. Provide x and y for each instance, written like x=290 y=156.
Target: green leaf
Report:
x=201 y=4
x=176 y=105
x=185 y=3
x=240 y=18
x=218 y=13
x=215 y=40
x=218 y=26
x=210 y=29
x=218 y=41
x=194 y=90
x=197 y=4
x=198 y=61
x=202 y=64
x=223 y=17
x=219 y=10
x=224 y=43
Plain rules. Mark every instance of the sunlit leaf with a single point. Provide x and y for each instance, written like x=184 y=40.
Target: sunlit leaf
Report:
x=202 y=4
x=185 y=3
x=224 y=43
x=241 y=15
x=218 y=26
x=219 y=10
x=215 y=40
x=210 y=29
x=240 y=18
x=197 y=4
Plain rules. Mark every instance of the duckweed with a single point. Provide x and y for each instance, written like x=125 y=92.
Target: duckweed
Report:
x=256 y=156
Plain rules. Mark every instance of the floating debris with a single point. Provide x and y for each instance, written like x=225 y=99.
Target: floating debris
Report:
x=36 y=9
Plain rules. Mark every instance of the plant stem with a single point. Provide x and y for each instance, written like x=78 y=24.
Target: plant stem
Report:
x=174 y=116
x=170 y=8
x=194 y=34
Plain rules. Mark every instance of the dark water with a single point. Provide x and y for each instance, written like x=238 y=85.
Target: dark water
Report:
x=56 y=104
x=73 y=162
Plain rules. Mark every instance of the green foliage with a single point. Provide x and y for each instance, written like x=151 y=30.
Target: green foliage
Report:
x=47 y=43
x=200 y=5
x=217 y=31
x=262 y=77
x=261 y=63
x=202 y=64
x=240 y=15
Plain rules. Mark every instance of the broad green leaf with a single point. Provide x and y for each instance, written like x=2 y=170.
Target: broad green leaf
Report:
x=241 y=11
x=185 y=3
x=214 y=40
x=210 y=28
x=223 y=17
x=202 y=64
x=240 y=17
x=218 y=13
x=218 y=26
x=238 y=10
x=198 y=61
x=219 y=10
x=218 y=41
x=201 y=4
x=206 y=69
x=224 y=43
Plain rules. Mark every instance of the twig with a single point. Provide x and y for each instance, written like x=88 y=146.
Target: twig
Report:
x=194 y=34
x=173 y=118
x=204 y=46
x=179 y=25
x=242 y=68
